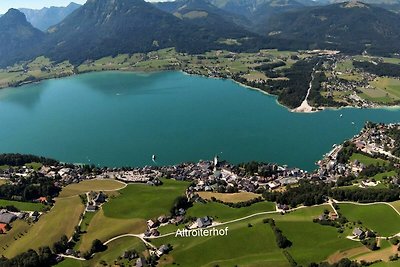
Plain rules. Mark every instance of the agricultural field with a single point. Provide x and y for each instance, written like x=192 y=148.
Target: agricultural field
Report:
x=371 y=217
x=91 y=185
x=366 y=160
x=18 y=230
x=111 y=255
x=144 y=201
x=61 y=220
x=231 y=198
x=24 y=206
x=396 y=205
x=243 y=245
x=222 y=213
x=105 y=228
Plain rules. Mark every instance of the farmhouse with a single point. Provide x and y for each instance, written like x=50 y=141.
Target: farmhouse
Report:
x=360 y=234
x=204 y=222
x=6 y=217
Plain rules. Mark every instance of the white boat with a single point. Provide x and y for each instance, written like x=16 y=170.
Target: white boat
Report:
x=341 y=115
x=153 y=157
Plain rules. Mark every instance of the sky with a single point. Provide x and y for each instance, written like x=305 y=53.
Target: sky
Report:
x=35 y=4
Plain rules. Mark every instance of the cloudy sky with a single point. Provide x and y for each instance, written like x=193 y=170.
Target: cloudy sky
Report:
x=38 y=4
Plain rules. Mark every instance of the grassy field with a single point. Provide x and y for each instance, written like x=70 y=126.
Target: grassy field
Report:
x=62 y=219
x=34 y=165
x=90 y=185
x=313 y=242
x=3 y=181
x=111 y=255
x=255 y=245
x=24 y=206
x=379 y=176
x=379 y=217
x=243 y=246
x=18 y=230
x=366 y=160
x=383 y=90
x=390 y=85
x=104 y=228
x=222 y=213
x=396 y=205
x=144 y=201
x=232 y=198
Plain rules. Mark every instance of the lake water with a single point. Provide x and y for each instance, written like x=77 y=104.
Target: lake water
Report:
x=121 y=119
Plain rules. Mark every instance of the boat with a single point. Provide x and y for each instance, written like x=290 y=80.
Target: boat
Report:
x=341 y=115
x=153 y=157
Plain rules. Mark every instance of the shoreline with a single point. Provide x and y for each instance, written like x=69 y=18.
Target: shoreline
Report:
x=300 y=110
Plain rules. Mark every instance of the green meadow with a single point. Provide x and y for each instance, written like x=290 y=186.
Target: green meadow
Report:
x=60 y=220
x=378 y=217
x=144 y=201
x=366 y=160
x=24 y=206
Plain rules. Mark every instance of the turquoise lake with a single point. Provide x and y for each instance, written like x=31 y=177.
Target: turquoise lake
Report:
x=122 y=119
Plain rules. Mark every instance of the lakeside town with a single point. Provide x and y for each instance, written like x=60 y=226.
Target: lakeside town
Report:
x=220 y=176
x=374 y=150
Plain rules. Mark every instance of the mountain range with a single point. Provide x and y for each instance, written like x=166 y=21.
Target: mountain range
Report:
x=48 y=16
x=109 y=27
x=17 y=38
x=352 y=27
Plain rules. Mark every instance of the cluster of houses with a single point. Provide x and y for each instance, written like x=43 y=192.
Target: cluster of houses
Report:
x=373 y=140
x=95 y=200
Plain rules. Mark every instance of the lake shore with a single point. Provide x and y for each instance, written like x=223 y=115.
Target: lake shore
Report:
x=303 y=108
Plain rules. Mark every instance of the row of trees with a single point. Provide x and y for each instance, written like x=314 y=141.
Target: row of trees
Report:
x=281 y=240
x=21 y=160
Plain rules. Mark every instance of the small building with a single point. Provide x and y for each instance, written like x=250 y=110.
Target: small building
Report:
x=91 y=208
x=35 y=216
x=162 y=219
x=360 y=234
x=141 y=262
x=162 y=250
x=42 y=200
x=3 y=228
x=151 y=224
x=204 y=222
x=100 y=198
x=333 y=216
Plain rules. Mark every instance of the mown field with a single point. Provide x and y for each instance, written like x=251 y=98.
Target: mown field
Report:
x=24 y=206
x=144 y=201
x=231 y=198
x=222 y=213
x=105 y=228
x=19 y=229
x=114 y=251
x=61 y=220
x=378 y=217
x=91 y=185
x=243 y=246
x=366 y=160
x=255 y=245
